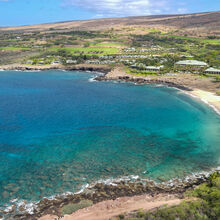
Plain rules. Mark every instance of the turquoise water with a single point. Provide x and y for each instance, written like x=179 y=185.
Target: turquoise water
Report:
x=59 y=130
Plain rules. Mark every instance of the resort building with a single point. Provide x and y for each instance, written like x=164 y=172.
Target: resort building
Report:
x=142 y=66
x=191 y=65
x=130 y=50
x=71 y=61
x=212 y=70
x=154 y=68
x=29 y=62
x=56 y=62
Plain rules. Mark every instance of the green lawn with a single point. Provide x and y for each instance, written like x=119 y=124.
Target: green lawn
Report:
x=89 y=50
x=110 y=44
x=13 y=48
x=208 y=41
x=153 y=30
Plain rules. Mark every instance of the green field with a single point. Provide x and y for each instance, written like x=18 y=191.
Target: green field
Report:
x=13 y=48
x=110 y=44
x=208 y=41
x=88 y=50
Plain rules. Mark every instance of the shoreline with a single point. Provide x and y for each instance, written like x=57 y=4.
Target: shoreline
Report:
x=114 y=189
x=104 y=190
x=118 y=74
x=207 y=97
x=78 y=67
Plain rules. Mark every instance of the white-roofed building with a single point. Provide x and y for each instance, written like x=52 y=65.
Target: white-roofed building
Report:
x=142 y=66
x=71 y=61
x=56 y=62
x=212 y=70
x=191 y=63
x=154 y=68
x=29 y=62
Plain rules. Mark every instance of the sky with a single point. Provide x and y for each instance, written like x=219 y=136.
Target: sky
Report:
x=26 y=12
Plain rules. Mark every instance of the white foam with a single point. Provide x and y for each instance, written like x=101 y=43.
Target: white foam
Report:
x=212 y=106
x=82 y=189
x=92 y=79
x=13 y=200
x=95 y=72
x=8 y=208
x=28 y=207
x=201 y=99
x=134 y=177
x=194 y=96
x=32 y=206
x=31 y=71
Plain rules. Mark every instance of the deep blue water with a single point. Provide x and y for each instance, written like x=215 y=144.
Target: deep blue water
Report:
x=59 y=131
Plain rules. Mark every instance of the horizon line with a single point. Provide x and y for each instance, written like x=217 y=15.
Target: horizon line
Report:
x=57 y=22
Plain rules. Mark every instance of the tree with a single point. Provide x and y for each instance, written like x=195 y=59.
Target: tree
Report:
x=217 y=78
x=63 y=53
x=87 y=44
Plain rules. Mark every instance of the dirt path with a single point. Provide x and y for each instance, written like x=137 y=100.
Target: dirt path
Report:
x=108 y=209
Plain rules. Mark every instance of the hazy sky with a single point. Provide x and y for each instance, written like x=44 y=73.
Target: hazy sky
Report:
x=20 y=12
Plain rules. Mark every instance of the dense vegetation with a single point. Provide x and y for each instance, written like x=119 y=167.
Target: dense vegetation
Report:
x=82 y=45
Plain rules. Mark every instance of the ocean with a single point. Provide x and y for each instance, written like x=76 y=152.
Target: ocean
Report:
x=60 y=130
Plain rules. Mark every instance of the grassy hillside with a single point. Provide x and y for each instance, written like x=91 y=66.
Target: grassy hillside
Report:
x=195 y=35
x=198 y=24
x=135 y=42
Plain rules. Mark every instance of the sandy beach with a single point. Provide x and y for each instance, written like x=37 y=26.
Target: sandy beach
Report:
x=109 y=209
x=207 y=97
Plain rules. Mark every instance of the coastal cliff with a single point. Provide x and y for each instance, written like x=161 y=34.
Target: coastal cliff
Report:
x=79 y=67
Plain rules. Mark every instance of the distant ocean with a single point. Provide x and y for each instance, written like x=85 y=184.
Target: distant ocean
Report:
x=60 y=130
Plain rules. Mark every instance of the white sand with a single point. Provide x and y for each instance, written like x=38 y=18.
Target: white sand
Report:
x=207 y=97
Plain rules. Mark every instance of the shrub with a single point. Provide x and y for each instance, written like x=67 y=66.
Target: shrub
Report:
x=121 y=216
x=218 y=92
x=217 y=78
x=87 y=44
x=140 y=214
x=70 y=208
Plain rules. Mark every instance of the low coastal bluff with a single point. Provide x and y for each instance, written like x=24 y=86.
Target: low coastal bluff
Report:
x=140 y=80
x=103 y=191
x=119 y=74
x=80 y=67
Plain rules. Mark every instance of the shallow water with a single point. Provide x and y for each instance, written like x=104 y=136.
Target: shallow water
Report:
x=60 y=130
